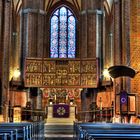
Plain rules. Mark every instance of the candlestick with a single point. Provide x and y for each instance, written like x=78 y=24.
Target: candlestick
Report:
x=100 y=103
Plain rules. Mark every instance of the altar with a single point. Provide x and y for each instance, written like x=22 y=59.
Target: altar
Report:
x=63 y=114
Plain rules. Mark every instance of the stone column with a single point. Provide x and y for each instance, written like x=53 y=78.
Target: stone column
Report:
x=1 y=52
x=125 y=41
x=33 y=25
x=88 y=97
x=5 y=40
x=91 y=29
x=83 y=105
x=39 y=99
x=135 y=44
x=121 y=40
x=91 y=41
x=91 y=18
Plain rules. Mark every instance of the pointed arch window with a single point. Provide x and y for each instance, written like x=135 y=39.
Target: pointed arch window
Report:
x=63 y=33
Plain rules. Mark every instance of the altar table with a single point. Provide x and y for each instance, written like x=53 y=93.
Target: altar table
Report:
x=62 y=114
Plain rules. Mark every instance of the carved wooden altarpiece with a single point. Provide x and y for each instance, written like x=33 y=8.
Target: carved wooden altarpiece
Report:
x=82 y=73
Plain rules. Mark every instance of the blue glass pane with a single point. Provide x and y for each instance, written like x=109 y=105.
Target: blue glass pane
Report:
x=71 y=37
x=54 y=37
x=63 y=33
x=69 y=13
x=63 y=12
x=56 y=12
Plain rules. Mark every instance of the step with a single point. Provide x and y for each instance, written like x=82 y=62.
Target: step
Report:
x=59 y=138
x=57 y=131
x=67 y=127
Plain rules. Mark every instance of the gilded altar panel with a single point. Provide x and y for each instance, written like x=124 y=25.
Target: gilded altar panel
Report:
x=49 y=67
x=33 y=79
x=88 y=66
x=61 y=73
x=49 y=79
x=33 y=65
x=88 y=80
x=74 y=67
x=74 y=79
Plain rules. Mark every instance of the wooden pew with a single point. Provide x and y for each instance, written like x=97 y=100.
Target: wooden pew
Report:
x=106 y=131
x=112 y=134
x=3 y=136
x=10 y=133
x=38 y=130
x=24 y=130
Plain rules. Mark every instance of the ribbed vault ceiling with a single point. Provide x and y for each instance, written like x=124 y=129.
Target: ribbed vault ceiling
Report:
x=110 y=2
x=48 y=3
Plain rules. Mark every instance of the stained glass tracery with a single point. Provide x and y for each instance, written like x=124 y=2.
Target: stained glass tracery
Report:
x=63 y=34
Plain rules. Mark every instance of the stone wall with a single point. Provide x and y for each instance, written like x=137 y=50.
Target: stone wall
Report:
x=135 y=44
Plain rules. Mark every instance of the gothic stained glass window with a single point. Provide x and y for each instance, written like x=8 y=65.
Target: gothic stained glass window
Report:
x=63 y=34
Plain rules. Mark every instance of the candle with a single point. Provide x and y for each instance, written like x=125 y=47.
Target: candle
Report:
x=100 y=103
x=55 y=97
x=66 y=97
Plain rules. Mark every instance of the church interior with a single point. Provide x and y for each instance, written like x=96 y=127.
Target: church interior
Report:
x=69 y=63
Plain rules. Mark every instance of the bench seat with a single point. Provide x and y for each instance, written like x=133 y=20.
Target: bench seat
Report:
x=109 y=131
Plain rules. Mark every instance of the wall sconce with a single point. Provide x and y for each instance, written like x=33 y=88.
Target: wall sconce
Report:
x=16 y=80
x=107 y=80
x=16 y=74
x=106 y=74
